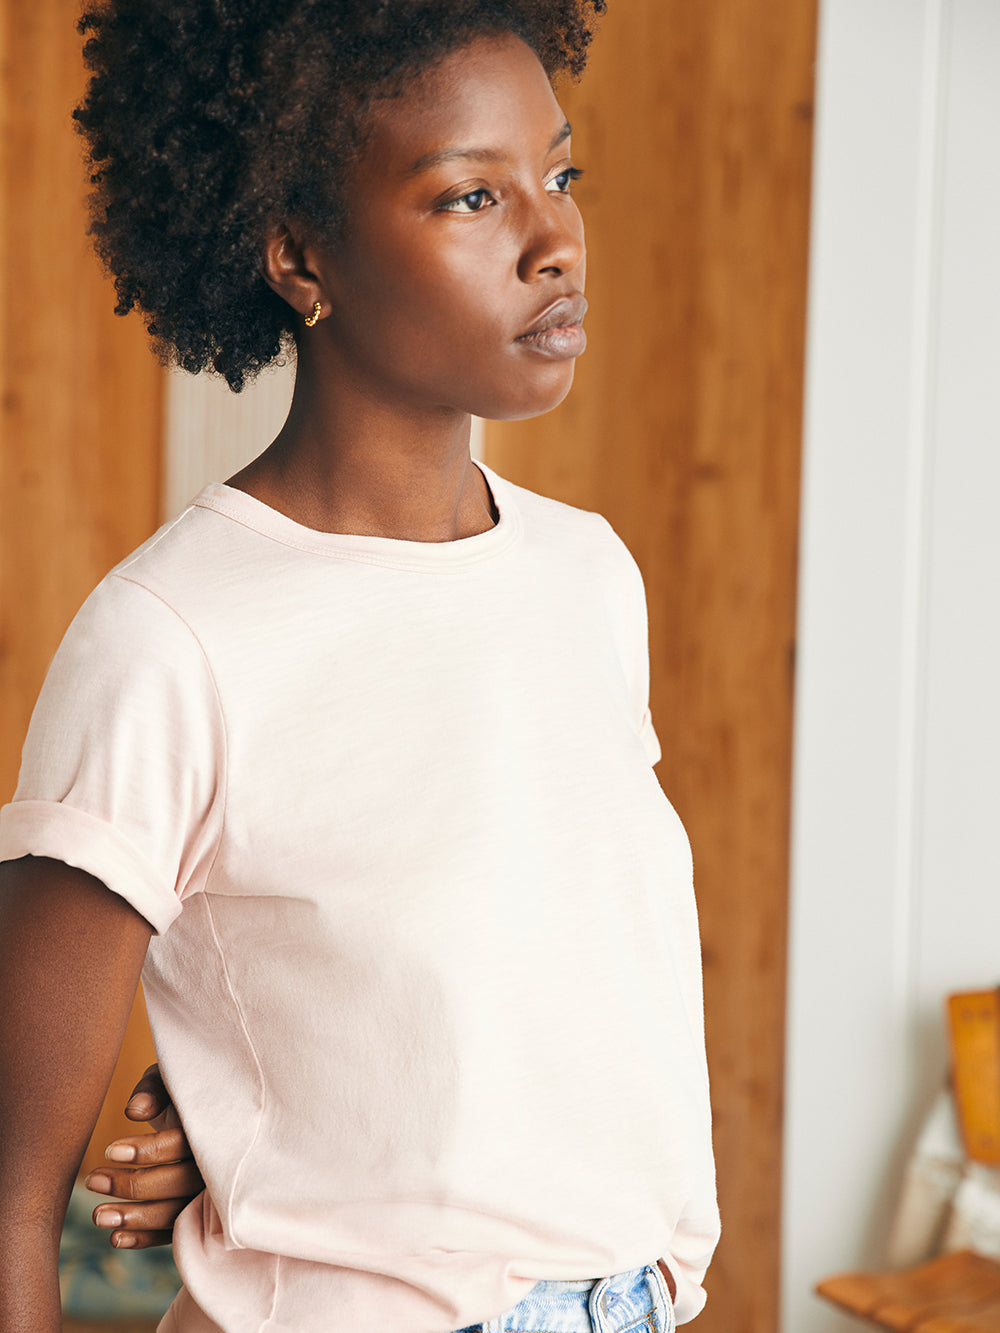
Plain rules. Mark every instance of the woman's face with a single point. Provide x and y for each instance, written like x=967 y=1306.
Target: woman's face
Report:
x=461 y=239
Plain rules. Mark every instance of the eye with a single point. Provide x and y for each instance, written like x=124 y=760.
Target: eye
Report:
x=473 y=202
x=564 y=180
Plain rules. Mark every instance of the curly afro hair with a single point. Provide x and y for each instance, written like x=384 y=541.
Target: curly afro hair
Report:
x=208 y=120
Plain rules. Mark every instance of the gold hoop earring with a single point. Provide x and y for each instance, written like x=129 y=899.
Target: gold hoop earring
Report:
x=313 y=319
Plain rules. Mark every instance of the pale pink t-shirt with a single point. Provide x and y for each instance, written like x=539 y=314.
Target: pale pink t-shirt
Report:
x=426 y=985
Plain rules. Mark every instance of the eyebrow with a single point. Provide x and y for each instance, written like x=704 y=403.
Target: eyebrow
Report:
x=477 y=154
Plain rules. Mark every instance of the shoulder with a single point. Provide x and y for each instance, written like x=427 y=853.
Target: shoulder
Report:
x=558 y=521
x=582 y=535
x=127 y=651
x=181 y=578
x=200 y=550
x=136 y=626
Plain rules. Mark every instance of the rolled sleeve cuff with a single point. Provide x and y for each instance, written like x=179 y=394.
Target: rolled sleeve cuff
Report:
x=79 y=839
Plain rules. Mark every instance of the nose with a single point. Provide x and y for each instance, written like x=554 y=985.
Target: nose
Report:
x=553 y=239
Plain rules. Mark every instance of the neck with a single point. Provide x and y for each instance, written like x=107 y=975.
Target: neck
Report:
x=346 y=463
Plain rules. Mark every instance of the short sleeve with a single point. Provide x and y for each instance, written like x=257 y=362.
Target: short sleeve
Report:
x=123 y=768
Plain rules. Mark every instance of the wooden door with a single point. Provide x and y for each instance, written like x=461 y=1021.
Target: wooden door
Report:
x=693 y=125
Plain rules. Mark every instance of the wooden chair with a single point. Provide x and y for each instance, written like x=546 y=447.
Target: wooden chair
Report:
x=960 y=1292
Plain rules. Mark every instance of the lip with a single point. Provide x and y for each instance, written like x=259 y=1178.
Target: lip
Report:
x=557 y=332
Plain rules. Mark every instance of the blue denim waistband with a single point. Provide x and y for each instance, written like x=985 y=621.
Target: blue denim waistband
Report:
x=637 y=1300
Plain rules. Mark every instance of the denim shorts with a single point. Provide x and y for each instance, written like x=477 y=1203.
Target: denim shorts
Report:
x=638 y=1300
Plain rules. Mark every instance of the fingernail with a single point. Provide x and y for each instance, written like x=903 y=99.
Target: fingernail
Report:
x=108 y=1217
x=123 y=1240
x=121 y=1152
x=141 y=1103
x=98 y=1182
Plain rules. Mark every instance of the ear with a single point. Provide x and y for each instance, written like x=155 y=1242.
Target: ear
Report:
x=295 y=270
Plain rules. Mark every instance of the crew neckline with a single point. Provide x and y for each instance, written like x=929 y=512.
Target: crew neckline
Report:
x=392 y=552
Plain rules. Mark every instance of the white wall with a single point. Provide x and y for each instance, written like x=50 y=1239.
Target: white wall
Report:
x=896 y=852
x=212 y=433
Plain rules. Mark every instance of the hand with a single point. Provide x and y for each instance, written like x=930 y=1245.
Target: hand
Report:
x=160 y=1181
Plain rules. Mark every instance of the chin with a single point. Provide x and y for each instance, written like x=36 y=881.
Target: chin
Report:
x=525 y=405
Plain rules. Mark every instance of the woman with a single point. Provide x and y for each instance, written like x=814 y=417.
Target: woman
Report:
x=361 y=740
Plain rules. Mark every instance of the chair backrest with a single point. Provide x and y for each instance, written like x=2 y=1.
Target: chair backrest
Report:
x=974 y=1035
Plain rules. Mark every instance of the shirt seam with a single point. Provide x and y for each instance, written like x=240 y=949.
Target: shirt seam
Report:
x=237 y=1174
x=147 y=546
x=217 y=693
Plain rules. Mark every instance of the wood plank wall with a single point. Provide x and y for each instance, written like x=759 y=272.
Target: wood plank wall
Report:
x=694 y=126
x=81 y=395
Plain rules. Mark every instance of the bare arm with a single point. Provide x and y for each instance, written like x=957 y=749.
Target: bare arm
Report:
x=70 y=957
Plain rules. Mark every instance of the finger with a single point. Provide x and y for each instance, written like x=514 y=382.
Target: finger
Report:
x=140 y=1240
x=149 y=1097
x=151 y=1182
x=167 y=1145
x=157 y=1216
